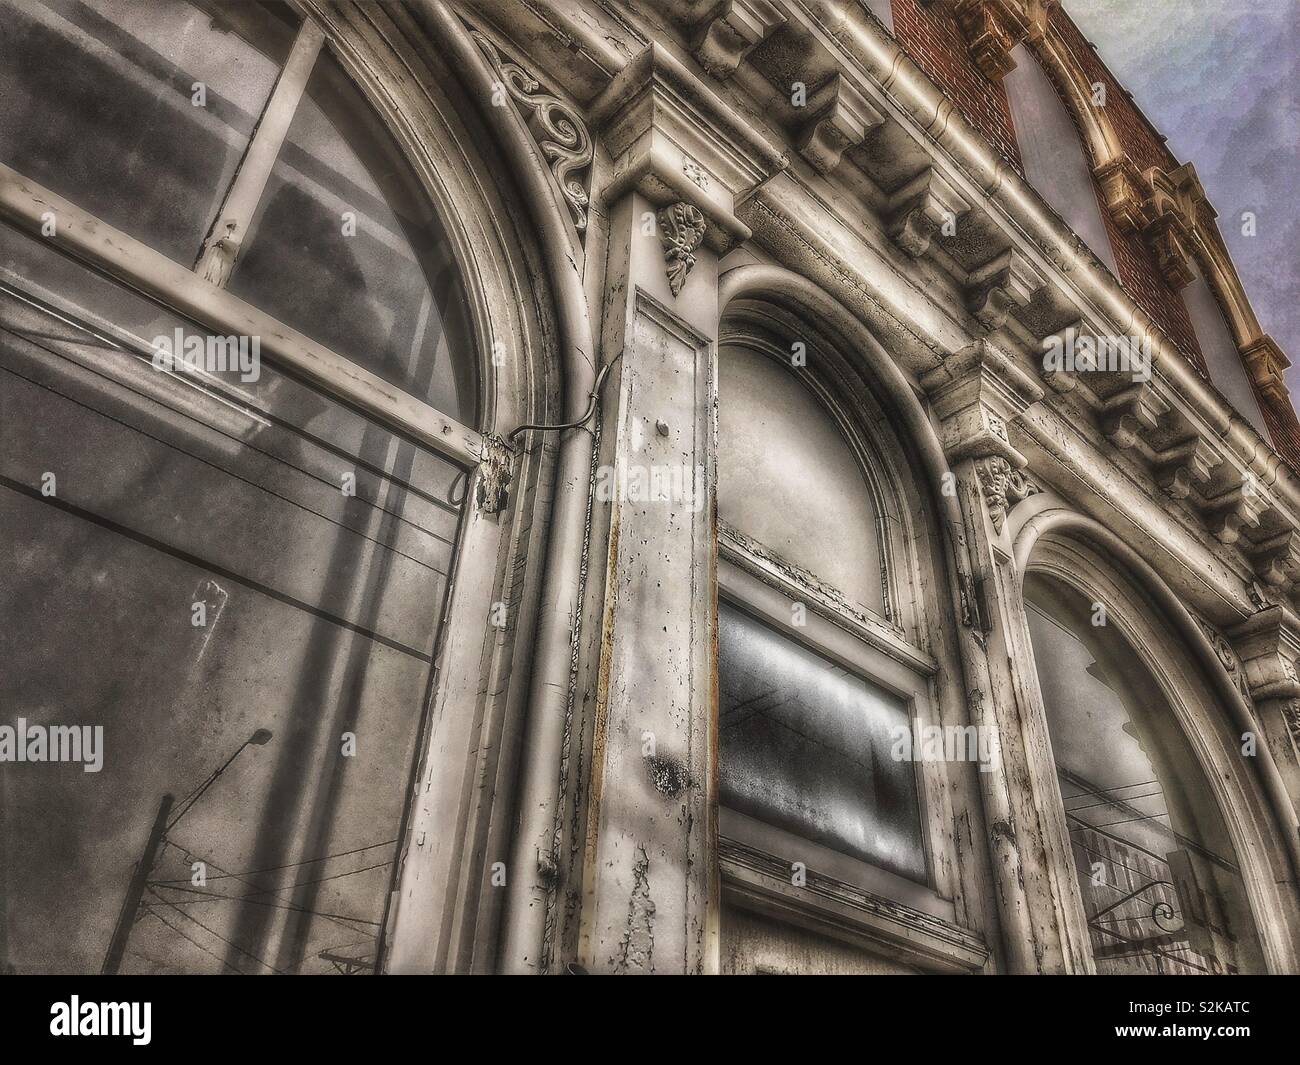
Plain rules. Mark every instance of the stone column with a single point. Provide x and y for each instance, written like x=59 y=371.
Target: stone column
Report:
x=977 y=393
x=650 y=884
x=1268 y=645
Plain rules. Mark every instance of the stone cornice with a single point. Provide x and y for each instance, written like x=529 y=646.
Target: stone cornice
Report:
x=977 y=393
x=675 y=141
x=1189 y=441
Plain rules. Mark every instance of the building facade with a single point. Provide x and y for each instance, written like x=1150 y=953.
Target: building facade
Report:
x=598 y=487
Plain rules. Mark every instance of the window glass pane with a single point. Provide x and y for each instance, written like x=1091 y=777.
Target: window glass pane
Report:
x=320 y=617
x=345 y=248
x=98 y=105
x=805 y=745
x=788 y=479
x=1156 y=867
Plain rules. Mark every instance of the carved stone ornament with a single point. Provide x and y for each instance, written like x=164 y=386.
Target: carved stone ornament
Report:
x=555 y=126
x=1291 y=714
x=681 y=231
x=1003 y=487
x=493 y=491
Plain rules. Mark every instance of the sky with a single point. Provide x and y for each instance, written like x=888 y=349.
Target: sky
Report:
x=1221 y=80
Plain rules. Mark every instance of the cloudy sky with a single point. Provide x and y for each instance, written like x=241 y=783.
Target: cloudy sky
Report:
x=1221 y=79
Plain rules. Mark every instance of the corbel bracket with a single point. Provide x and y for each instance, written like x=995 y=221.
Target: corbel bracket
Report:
x=730 y=31
x=920 y=210
x=841 y=118
x=1001 y=287
x=1185 y=465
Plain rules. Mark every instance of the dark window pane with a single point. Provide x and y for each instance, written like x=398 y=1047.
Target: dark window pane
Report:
x=346 y=249
x=98 y=106
x=805 y=745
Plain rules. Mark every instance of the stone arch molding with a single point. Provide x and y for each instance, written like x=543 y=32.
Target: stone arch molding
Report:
x=1046 y=520
x=1167 y=208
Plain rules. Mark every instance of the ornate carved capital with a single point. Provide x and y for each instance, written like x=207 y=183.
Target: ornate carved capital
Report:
x=730 y=32
x=556 y=127
x=681 y=231
x=1003 y=485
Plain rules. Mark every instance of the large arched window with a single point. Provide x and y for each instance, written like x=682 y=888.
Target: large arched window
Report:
x=821 y=683
x=1056 y=164
x=1161 y=885
x=239 y=386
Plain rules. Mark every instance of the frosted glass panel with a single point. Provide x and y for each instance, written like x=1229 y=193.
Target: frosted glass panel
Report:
x=787 y=478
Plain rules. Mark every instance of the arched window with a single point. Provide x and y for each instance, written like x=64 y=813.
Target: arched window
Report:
x=821 y=683
x=1055 y=161
x=1161 y=885
x=1222 y=358
x=239 y=392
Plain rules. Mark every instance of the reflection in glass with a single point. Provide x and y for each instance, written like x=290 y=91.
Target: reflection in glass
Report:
x=99 y=105
x=1160 y=882
x=320 y=616
x=346 y=248
x=805 y=745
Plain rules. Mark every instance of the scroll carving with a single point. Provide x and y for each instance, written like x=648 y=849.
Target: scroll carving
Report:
x=558 y=130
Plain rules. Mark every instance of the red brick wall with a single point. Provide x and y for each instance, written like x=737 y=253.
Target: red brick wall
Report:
x=931 y=37
x=1285 y=430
